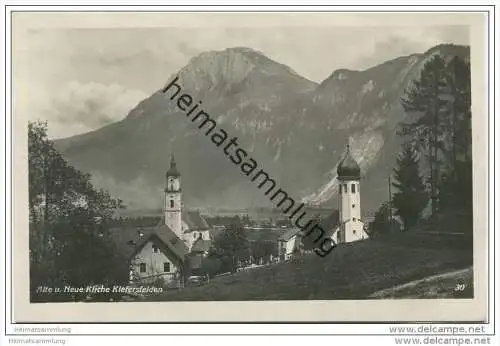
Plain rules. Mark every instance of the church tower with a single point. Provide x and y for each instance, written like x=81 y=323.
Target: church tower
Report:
x=173 y=199
x=349 y=175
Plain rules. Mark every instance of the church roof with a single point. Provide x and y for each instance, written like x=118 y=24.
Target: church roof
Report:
x=173 y=171
x=201 y=245
x=330 y=223
x=194 y=221
x=348 y=168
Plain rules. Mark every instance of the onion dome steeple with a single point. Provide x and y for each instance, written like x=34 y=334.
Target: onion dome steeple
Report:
x=348 y=168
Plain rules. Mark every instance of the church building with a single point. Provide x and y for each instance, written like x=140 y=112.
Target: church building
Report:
x=171 y=250
x=350 y=226
x=343 y=225
x=188 y=226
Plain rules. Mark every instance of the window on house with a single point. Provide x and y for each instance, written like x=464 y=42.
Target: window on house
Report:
x=354 y=231
x=155 y=248
x=340 y=188
x=345 y=188
x=353 y=188
x=171 y=203
x=353 y=219
x=142 y=267
x=166 y=267
x=354 y=205
x=194 y=235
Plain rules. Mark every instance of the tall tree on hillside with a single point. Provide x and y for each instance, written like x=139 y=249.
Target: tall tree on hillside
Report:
x=456 y=180
x=68 y=239
x=459 y=109
x=426 y=99
x=411 y=197
x=232 y=246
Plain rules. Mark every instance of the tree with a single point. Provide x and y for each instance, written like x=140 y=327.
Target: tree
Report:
x=232 y=247
x=69 y=242
x=456 y=180
x=381 y=224
x=210 y=266
x=426 y=99
x=441 y=101
x=263 y=249
x=411 y=198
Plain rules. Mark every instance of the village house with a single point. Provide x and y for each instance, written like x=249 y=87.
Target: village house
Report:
x=171 y=250
x=289 y=243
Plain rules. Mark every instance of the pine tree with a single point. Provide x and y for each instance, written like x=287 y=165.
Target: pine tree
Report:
x=426 y=99
x=456 y=172
x=411 y=197
x=457 y=120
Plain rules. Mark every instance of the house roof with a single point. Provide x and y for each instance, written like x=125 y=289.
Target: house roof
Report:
x=201 y=245
x=130 y=240
x=289 y=234
x=169 y=238
x=194 y=221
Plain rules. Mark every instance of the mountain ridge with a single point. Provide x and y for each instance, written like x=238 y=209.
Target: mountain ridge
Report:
x=296 y=128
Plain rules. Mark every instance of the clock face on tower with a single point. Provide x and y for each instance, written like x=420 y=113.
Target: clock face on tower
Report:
x=173 y=184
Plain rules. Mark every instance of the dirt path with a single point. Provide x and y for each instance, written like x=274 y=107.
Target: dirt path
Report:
x=455 y=284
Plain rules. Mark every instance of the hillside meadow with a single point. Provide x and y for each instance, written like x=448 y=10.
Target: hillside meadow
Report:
x=352 y=271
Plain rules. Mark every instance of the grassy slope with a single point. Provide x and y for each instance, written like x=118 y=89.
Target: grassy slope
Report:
x=351 y=271
x=436 y=286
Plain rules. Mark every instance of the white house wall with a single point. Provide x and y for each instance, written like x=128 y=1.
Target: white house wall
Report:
x=154 y=264
x=290 y=244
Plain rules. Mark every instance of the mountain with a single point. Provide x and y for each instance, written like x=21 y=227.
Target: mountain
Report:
x=296 y=129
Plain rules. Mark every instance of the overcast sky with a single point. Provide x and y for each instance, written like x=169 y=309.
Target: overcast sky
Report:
x=82 y=79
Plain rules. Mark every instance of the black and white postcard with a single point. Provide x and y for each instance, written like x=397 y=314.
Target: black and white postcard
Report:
x=264 y=167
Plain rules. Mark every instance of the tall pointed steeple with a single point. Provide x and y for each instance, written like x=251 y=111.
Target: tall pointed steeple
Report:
x=173 y=199
x=173 y=171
